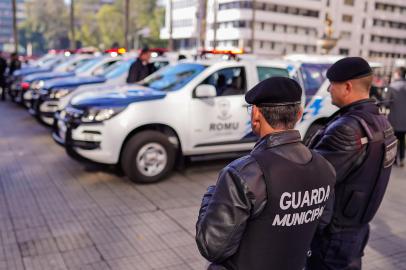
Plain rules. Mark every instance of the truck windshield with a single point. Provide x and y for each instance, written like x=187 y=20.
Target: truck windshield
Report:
x=89 y=64
x=173 y=77
x=118 y=69
x=313 y=76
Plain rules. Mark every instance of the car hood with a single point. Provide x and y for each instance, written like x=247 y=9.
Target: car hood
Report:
x=30 y=70
x=123 y=96
x=47 y=76
x=73 y=81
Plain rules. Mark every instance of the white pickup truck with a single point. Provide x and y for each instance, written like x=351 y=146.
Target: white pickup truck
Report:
x=188 y=109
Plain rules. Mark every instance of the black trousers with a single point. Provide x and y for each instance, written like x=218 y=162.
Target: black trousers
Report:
x=401 y=145
x=338 y=251
x=3 y=88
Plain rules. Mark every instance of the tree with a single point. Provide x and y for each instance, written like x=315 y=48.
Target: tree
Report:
x=111 y=25
x=47 y=19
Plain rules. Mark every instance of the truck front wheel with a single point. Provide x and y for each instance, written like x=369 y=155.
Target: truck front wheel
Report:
x=148 y=157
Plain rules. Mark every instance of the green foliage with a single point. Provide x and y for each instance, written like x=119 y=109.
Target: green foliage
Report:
x=111 y=25
x=47 y=24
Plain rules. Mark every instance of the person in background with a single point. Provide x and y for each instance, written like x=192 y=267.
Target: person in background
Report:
x=396 y=98
x=141 y=68
x=15 y=63
x=3 y=67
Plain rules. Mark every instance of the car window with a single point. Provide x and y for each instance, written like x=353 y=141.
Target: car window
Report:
x=313 y=76
x=160 y=64
x=228 y=81
x=78 y=64
x=269 y=72
x=118 y=69
x=102 y=69
x=89 y=64
x=173 y=77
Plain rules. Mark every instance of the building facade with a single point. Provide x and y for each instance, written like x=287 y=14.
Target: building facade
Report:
x=375 y=29
x=6 y=20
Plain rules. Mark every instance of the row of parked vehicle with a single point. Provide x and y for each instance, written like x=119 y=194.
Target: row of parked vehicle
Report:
x=192 y=108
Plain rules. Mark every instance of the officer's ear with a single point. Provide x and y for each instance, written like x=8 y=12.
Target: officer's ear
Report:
x=256 y=113
x=299 y=114
x=348 y=88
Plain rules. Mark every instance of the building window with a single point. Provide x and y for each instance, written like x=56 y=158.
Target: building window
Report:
x=343 y=51
x=349 y=2
x=345 y=35
x=347 y=18
x=269 y=7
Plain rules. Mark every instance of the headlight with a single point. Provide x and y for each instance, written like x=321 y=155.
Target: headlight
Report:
x=36 y=85
x=101 y=114
x=59 y=93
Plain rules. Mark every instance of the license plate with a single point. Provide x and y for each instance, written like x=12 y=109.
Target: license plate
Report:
x=62 y=130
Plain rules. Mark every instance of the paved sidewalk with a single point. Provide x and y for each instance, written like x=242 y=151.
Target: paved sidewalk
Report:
x=58 y=214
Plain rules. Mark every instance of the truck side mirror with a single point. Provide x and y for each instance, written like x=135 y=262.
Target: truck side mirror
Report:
x=205 y=91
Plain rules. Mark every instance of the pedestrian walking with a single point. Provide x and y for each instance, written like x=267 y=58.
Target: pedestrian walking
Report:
x=397 y=102
x=141 y=68
x=3 y=67
x=264 y=209
x=360 y=143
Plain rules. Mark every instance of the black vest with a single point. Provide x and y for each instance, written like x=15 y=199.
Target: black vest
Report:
x=279 y=238
x=360 y=195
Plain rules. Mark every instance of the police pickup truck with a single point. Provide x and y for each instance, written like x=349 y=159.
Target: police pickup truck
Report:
x=48 y=90
x=62 y=70
x=16 y=79
x=47 y=102
x=188 y=109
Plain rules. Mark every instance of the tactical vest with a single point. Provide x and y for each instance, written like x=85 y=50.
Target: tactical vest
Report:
x=279 y=238
x=360 y=195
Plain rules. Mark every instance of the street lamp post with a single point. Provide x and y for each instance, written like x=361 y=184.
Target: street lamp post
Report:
x=126 y=23
x=15 y=29
x=215 y=9
x=72 y=25
x=170 y=41
x=253 y=26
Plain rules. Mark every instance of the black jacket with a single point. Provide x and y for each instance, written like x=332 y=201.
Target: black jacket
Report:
x=340 y=142
x=240 y=194
x=138 y=71
x=14 y=65
x=3 y=67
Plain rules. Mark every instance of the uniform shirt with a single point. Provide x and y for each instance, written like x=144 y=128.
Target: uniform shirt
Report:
x=239 y=195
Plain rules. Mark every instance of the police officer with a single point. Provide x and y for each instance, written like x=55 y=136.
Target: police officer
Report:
x=360 y=143
x=264 y=209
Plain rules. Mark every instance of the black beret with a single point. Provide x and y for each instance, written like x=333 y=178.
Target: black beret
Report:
x=275 y=91
x=348 y=68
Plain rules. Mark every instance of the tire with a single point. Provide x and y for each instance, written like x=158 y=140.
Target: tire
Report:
x=143 y=169
x=311 y=131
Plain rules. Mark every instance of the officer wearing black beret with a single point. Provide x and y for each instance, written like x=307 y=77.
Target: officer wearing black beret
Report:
x=359 y=142
x=265 y=207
